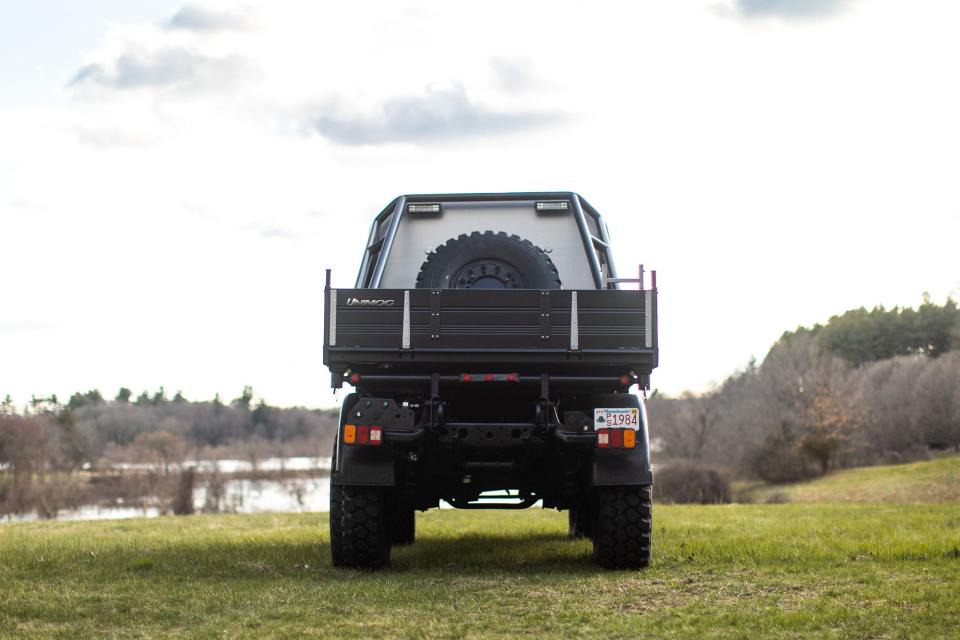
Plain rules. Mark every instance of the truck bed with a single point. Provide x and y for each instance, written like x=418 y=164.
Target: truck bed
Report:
x=430 y=330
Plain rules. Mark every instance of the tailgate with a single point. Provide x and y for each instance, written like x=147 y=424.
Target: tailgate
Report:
x=520 y=326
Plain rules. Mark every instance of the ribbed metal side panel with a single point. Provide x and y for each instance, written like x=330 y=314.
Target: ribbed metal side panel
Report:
x=580 y=320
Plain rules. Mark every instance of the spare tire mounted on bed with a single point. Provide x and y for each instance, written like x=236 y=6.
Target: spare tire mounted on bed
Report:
x=488 y=260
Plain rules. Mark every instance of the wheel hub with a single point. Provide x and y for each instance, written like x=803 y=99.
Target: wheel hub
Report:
x=487 y=273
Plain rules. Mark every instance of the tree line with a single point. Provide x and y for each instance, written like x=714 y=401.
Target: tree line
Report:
x=867 y=387
x=80 y=431
x=58 y=455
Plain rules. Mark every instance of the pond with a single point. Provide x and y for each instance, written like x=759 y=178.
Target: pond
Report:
x=307 y=491
x=231 y=495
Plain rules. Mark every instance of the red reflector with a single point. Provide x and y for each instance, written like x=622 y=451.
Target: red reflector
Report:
x=625 y=380
x=488 y=377
x=466 y=377
x=363 y=435
x=376 y=435
x=616 y=438
x=354 y=378
x=511 y=377
x=603 y=438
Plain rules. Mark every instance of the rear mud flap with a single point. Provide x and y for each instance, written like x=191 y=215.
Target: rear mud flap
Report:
x=360 y=465
x=621 y=467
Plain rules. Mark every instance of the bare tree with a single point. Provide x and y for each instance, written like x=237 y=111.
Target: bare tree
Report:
x=937 y=405
x=160 y=448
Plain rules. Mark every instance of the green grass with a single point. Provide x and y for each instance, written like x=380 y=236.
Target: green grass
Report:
x=934 y=481
x=743 y=571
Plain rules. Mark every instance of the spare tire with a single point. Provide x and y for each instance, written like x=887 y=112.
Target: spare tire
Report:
x=488 y=260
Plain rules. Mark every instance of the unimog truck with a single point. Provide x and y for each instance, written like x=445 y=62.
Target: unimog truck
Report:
x=491 y=351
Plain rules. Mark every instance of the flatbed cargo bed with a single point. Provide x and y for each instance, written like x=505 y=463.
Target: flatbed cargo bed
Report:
x=561 y=331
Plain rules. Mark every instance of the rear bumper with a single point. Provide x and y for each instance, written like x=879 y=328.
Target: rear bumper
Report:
x=377 y=465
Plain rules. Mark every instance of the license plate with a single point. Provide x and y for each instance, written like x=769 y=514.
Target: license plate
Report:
x=627 y=418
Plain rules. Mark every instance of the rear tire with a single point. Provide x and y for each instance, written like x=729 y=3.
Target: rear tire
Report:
x=403 y=525
x=358 y=527
x=580 y=521
x=623 y=527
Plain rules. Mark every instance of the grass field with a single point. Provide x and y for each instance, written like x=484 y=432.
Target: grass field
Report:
x=793 y=570
x=934 y=481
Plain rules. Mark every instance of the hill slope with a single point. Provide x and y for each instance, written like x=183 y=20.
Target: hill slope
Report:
x=933 y=481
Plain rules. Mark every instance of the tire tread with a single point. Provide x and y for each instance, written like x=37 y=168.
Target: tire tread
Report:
x=358 y=532
x=450 y=246
x=623 y=527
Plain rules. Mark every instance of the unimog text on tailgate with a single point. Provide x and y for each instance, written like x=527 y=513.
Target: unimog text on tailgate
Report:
x=492 y=353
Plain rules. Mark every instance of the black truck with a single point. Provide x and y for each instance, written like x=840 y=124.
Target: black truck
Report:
x=492 y=352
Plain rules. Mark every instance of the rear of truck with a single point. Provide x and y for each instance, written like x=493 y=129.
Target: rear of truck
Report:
x=492 y=353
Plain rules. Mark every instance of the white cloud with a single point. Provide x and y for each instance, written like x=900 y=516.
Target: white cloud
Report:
x=792 y=8
x=515 y=74
x=138 y=68
x=196 y=17
x=161 y=215
x=439 y=114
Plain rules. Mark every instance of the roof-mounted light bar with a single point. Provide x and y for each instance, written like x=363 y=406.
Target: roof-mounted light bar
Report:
x=557 y=205
x=423 y=207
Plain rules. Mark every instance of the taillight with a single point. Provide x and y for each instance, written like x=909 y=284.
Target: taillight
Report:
x=354 y=434
x=616 y=438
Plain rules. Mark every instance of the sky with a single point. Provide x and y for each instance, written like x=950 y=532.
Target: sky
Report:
x=175 y=177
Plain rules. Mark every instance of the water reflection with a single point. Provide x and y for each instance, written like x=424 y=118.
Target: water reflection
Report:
x=295 y=463
x=216 y=492
x=293 y=495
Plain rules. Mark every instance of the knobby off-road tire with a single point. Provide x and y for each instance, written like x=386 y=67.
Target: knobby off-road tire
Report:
x=623 y=526
x=358 y=527
x=403 y=525
x=488 y=260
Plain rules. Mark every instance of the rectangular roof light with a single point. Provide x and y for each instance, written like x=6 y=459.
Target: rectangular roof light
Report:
x=432 y=207
x=559 y=205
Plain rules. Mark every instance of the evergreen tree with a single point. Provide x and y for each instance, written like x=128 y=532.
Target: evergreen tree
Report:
x=79 y=399
x=7 y=407
x=245 y=398
x=860 y=336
